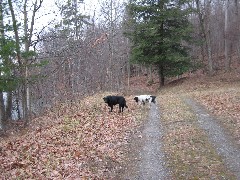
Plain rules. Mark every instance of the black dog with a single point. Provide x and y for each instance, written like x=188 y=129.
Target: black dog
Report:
x=113 y=100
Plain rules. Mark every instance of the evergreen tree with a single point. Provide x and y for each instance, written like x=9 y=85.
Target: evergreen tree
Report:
x=159 y=31
x=16 y=61
x=7 y=81
x=73 y=20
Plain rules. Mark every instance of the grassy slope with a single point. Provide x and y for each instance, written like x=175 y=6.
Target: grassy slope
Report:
x=190 y=154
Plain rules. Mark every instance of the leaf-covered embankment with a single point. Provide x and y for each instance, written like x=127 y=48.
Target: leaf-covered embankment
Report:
x=75 y=140
x=189 y=152
x=220 y=94
x=225 y=104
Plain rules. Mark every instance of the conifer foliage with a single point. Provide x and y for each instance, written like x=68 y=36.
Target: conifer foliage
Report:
x=160 y=32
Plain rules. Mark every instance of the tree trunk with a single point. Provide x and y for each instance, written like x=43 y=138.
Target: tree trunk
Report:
x=9 y=105
x=161 y=75
x=129 y=74
x=2 y=112
x=111 y=48
x=202 y=29
x=209 y=49
x=226 y=38
x=238 y=29
x=18 y=108
x=75 y=4
x=208 y=38
x=205 y=32
x=128 y=68
x=2 y=107
x=26 y=94
x=150 y=74
x=22 y=65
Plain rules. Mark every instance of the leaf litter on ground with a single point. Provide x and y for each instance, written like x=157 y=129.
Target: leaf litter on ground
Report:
x=76 y=140
x=83 y=140
x=220 y=94
x=189 y=152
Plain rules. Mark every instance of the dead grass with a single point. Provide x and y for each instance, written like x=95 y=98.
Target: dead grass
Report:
x=220 y=94
x=190 y=154
x=225 y=104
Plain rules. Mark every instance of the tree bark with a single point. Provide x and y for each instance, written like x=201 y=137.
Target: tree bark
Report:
x=202 y=29
x=111 y=48
x=2 y=106
x=9 y=105
x=226 y=38
x=2 y=112
x=238 y=29
x=209 y=49
x=208 y=37
x=161 y=75
x=205 y=32
x=22 y=66
x=150 y=74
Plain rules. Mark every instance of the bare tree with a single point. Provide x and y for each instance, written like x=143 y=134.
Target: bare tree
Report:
x=226 y=37
x=238 y=28
x=24 y=59
x=219 y=25
x=112 y=12
x=205 y=31
x=2 y=106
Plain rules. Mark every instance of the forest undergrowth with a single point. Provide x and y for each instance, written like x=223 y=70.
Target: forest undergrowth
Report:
x=76 y=140
x=83 y=140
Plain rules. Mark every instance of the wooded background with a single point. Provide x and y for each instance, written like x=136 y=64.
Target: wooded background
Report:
x=81 y=54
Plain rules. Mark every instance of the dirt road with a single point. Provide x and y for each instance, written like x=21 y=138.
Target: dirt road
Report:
x=147 y=159
x=221 y=140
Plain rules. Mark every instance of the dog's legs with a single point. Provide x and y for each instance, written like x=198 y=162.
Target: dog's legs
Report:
x=111 y=108
x=121 y=108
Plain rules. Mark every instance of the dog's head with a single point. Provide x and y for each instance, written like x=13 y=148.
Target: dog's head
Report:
x=136 y=98
x=153 y=99
x=106 y=99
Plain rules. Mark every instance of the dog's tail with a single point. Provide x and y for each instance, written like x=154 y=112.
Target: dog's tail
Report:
x=125 y=105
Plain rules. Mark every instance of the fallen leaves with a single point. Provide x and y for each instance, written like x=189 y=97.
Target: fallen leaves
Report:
x=81 y=140
x=224 y=104
x=220 y=94
x=189 y=152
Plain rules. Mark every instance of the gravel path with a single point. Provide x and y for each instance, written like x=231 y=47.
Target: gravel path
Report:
x=152 y=164
x=222 y=141
x=146 y=158
x=149 y=161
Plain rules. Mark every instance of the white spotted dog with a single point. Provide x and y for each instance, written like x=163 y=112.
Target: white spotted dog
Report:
x=143 y=99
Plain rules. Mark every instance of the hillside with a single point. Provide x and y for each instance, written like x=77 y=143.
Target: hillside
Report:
x=220 y=94
x=83 y=140
x=195 y=147
x=188 y=147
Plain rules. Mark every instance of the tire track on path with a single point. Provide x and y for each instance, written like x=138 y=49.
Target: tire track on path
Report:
x=150 y=164
x=221 y=141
